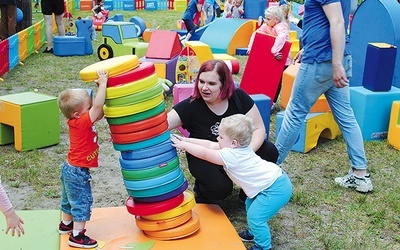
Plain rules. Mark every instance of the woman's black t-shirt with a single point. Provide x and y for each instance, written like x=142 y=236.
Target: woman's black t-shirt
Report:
x=202 y=123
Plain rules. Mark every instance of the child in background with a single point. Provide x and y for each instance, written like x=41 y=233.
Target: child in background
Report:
x=267 y=186
x=274 y=25
x=237 y=9
x=191 y=17
x=14 y=222
x=98 y=8
x=228 y=8
x=286 y=11
x=77 y=200
x=209 y=11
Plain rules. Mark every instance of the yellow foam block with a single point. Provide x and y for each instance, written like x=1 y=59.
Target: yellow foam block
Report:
x=23 y=44
x=116 y=227
x=322 y=125
x=293 y=35
x=202 y=50
x=224 y=57
x=114 y=66
x=161 y=70
x=394 y=126
x=321 y=105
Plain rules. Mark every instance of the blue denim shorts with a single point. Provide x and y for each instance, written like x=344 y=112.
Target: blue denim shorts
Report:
x=77 y=198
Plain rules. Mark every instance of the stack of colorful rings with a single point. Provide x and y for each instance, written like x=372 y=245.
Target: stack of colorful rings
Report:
x=135 y=111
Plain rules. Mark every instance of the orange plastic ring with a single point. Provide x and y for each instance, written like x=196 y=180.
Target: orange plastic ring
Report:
x=184 y=230
x=151 y=225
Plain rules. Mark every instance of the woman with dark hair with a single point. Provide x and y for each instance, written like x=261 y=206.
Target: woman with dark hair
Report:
x=215 y=97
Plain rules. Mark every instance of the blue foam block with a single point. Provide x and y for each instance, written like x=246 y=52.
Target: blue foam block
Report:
x=263 y=104
x=69 y=46
x=372 y=110
x=241 y=51
x=379 y=67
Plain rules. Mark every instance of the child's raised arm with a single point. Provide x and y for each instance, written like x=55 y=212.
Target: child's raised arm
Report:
x=96 y=111
x=199 y=151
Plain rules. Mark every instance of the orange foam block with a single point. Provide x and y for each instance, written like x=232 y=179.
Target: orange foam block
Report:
x=321 y=105
x=117 y=229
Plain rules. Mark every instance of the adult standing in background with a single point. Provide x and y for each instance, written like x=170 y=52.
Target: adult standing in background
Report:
x=8 y=23
x=325 y=68
x=48 y=8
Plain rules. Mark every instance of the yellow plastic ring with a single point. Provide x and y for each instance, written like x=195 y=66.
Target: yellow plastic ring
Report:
x=187 y=204
x=150 y=225
x=114 y=66
x=131 y=88
x=184 y=230
x=134 y=108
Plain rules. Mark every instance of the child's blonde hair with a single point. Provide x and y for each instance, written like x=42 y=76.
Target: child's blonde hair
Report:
x=239 y=127
x=285 y=9
x=275 y=11
x=71 y=100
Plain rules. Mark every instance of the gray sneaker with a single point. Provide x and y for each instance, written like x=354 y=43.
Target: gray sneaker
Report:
x=362 y=184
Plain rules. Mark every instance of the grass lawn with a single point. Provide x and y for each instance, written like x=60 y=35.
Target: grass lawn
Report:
x=320 y=214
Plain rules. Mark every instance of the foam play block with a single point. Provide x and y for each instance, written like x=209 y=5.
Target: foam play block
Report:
x=165 y=68
x=379 y=66
x=241 y=51
x=13 y=56
x=69 y=46
x=394 y=125
x=23 y=44
x=4 y=60
x=254 y=9
x=181 y=92
x=117 y=228
x=258 y=78
x=372 y=110
x=86 y=4
x=128 y=5
x=35 y=120
x=140 y=25
x=237 y=32
x=180 y=5
x=321 y=105
x=40 y=231
x=263 y=104
x=150 y=5
x=30 y=40
x=314 y=126
x=163 y=44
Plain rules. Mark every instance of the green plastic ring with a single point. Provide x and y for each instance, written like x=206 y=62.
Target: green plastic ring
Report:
x=134 y=108
x=136 y=97
x=148 y=173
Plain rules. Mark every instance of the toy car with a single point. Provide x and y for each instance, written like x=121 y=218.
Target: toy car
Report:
x=120 y=38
